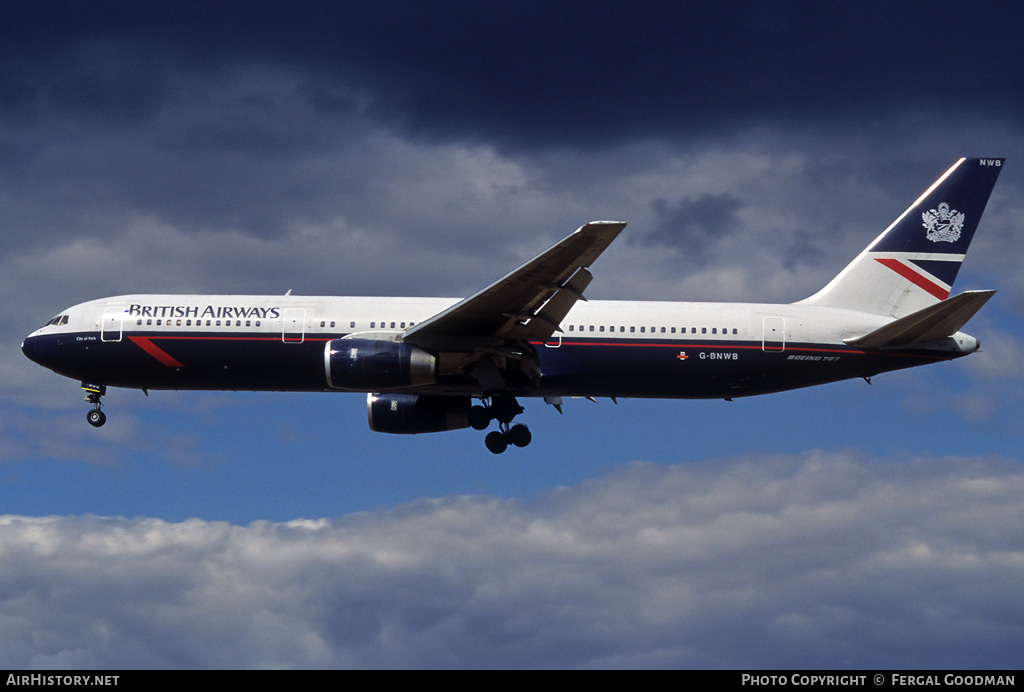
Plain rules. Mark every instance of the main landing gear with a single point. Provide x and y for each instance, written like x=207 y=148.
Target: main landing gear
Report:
x=94 y=395
x=502 y=409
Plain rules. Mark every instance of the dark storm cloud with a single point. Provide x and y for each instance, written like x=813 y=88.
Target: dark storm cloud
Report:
x=234 y=115
x=696 y=222
x=531 y=72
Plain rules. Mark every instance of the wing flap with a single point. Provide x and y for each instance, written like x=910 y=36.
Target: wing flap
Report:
x=933 y=322
x=547 y=319
x=538 y=293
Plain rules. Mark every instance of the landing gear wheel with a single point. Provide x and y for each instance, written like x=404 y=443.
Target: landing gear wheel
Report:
x=519 y=435
x=502 y=408
x=479 y=418
x=94 y=395
x=496 y=441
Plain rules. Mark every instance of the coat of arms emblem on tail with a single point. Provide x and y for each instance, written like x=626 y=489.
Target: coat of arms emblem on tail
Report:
x=943 y=224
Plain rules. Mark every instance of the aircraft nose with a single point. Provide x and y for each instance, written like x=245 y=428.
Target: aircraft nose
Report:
x=33 y=349
x=30 y=348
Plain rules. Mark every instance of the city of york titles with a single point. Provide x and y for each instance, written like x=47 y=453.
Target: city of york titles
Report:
x=213 y=311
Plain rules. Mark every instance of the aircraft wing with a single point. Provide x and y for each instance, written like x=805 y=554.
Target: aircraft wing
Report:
x=527 y=303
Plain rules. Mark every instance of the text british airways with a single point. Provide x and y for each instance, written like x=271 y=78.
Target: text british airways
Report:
x=215 y=311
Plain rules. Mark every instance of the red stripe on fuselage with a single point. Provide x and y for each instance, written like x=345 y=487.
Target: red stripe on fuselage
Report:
x=152 y=349
x=583 y=341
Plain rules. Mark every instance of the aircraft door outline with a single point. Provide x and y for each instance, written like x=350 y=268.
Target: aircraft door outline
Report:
x=112 y=325
x=773 y=337
x=293 y=327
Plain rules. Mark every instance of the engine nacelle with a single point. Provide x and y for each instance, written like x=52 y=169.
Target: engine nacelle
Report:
x=366 y=365
x=411 y=414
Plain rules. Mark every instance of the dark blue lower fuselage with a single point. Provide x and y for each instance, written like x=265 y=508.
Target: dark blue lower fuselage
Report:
x=661 y=368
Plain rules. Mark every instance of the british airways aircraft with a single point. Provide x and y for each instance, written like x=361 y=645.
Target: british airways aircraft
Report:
x=423 y=361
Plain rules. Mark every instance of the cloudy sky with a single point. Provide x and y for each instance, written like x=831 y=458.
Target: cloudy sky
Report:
x=426 y=149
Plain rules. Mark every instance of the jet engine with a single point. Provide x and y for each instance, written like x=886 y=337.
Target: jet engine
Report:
x=411 y=414
x=364 y=365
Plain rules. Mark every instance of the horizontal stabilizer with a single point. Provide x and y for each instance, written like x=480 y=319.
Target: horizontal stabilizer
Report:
x=935 y=322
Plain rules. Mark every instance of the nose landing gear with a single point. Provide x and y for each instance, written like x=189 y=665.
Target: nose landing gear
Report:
x=503 y=409
x=94 y=395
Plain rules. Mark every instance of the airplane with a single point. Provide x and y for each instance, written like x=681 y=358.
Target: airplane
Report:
x=423 y=361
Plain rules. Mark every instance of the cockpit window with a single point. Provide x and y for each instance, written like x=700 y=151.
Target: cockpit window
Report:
x=58 y=321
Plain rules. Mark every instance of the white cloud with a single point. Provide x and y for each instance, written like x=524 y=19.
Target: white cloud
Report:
x=827 y=559
x=999 y=358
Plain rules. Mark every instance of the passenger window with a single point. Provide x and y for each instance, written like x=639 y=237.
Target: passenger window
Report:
x=703 y=330
x=372 y=324
x=247 y=323
x=140 y=321
x=601 y=328
x=352 y=325
x=714 y=330
x=643 y=330
x=734 y=331
x=632 y=330
x=662 y=330
x=257 y=323
x=591 y=327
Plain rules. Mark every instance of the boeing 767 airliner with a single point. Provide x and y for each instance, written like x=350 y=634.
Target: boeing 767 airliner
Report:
x=422 y=361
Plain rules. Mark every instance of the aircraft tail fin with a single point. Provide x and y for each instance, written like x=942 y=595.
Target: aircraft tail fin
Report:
x=928 y=324
x=913 y=263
